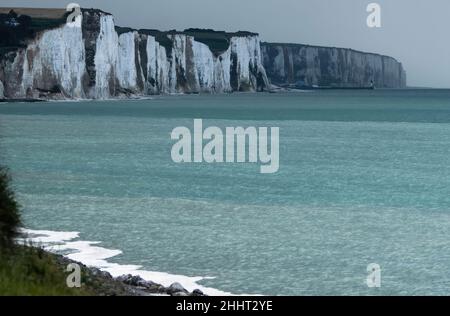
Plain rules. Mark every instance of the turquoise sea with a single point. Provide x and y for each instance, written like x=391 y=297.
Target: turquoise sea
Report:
x=364 y=178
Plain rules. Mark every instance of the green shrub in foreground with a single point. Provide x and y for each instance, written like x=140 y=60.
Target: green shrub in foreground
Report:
x=9 y=212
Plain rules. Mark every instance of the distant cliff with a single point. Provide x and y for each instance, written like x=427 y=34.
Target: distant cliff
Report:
x=306 y=66
x=42 y=57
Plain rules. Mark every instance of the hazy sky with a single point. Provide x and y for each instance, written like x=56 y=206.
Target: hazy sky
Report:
x=416 y=32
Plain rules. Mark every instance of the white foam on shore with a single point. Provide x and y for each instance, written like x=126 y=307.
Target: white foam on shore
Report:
x=88 y=253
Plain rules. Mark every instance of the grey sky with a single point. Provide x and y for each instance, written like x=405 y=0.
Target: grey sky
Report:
x=413 y=31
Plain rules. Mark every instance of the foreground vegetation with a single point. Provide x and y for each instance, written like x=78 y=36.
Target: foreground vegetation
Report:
x=26 y=270
x=9 y=213
x=32 y=271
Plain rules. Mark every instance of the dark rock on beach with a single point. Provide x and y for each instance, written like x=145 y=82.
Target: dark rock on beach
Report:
x=148 y=287
x=197 y=292
x=141 y=284
x=176 y=288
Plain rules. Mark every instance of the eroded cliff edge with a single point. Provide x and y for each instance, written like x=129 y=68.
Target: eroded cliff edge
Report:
x=307 y=66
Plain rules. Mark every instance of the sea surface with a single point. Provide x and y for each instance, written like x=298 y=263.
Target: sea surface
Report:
x=364 y=178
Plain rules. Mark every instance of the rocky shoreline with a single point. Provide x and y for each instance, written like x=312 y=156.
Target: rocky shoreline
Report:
x=104 y=284
x=27 y=100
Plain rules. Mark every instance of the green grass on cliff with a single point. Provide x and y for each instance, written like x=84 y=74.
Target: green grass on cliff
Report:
x=27 y=271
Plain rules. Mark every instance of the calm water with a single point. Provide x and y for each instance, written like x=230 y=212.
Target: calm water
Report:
x=364 y=178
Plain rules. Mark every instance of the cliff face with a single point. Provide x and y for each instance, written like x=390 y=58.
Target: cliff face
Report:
x=99 y=60
x=49 y=59
x=302 y=65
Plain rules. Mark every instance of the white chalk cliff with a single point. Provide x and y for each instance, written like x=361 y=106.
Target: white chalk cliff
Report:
x=1 y=90
x=92 y=58
x=305 y=65
x=97 y=61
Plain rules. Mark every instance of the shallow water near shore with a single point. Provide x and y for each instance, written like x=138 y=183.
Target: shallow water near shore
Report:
x=364 y=178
